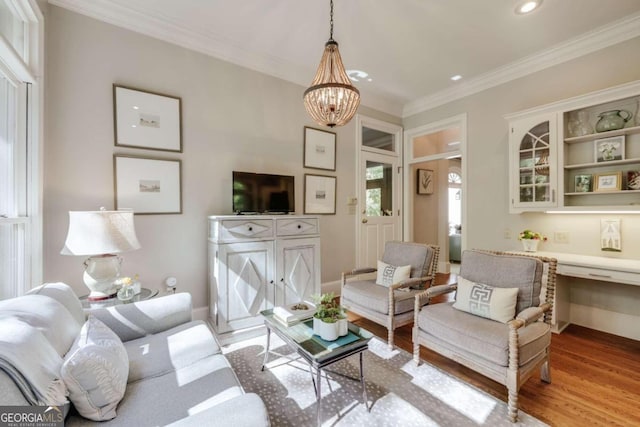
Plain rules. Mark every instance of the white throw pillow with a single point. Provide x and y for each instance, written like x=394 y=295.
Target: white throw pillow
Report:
x=389 y=274
x=95 y=371
x=486 y=301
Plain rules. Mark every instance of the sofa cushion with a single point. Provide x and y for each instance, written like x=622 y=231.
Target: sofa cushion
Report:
x=167 y=351
x=375 y=297
x=95 y=371
x=486 y=301
x=485 y=338
x=45 y=314
x=164 y=399
x=62 y=293
x=505 y=271
x=390 y=274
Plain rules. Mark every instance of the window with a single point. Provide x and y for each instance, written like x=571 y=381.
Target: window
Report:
x=20 y=100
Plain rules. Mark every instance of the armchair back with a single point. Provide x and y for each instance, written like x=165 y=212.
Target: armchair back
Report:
x=418 y=255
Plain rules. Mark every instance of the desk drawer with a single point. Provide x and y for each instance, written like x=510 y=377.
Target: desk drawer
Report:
x=246 y=229
x=599 y=274
x=297 y=227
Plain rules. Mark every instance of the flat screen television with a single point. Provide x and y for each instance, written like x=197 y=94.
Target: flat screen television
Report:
x=263 y=193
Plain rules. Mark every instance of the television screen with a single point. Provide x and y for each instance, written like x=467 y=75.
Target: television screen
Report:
x=262 y=193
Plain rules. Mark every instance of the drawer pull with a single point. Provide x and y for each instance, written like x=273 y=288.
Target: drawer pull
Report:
x=250 y=228
x=604 y=276
x=299 y=226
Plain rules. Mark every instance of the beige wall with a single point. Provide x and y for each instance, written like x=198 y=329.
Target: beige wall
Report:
x=232 y=119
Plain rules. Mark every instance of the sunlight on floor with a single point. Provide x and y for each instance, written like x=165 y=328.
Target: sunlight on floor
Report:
x=460 y=396
x=380 y=349
x=404 y=413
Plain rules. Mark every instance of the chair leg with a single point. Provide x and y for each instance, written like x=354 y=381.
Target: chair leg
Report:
x=390 y=339
x=512 y=404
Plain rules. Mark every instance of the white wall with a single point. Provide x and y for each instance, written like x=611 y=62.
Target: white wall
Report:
x=232 y=119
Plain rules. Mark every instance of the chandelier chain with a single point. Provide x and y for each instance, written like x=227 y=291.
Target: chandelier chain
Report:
x=331 y=22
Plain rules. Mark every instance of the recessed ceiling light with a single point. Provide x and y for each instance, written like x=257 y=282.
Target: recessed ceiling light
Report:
x=527 y=6
x=456 y=77
x=357 y=75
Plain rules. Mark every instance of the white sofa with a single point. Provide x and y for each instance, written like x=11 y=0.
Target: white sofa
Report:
x=176 y=376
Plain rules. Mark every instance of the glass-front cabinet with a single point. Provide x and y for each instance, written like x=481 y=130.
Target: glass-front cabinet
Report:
x=533 y=171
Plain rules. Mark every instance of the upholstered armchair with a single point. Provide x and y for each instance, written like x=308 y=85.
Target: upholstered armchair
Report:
x=497 y=326
x=406 y=269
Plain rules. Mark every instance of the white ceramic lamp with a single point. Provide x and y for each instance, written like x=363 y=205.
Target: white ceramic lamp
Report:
x=101 y=235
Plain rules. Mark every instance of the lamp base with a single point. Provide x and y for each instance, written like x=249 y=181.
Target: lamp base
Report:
x=100 y=275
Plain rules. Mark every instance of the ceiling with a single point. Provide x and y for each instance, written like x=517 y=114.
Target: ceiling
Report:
x=410 y=48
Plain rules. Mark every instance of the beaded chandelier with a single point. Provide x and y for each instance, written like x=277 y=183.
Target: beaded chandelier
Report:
x=331 y=100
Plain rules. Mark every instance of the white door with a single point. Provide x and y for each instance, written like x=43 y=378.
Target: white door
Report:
x=378 y=218
x=298 y=270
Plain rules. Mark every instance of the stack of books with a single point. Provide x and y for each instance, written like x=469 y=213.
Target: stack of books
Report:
x=294 y=313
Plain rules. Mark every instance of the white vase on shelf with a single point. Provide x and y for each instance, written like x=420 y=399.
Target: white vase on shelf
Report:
x=530 y=245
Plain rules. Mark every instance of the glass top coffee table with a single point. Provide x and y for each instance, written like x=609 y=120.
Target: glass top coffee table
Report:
x=317 y=352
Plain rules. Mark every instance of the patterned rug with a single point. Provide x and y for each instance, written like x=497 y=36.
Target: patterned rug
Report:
x=399 y=392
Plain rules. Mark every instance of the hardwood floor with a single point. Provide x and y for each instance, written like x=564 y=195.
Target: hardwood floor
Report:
x=595 y=376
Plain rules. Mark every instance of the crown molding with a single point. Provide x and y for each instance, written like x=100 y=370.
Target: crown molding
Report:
x=224 y=49
x=608 y=35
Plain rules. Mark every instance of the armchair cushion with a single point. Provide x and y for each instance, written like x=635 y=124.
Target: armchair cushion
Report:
x=483 y=338
x=389 y=274
x=418 y=255
x=375 y=297
x=486 y=301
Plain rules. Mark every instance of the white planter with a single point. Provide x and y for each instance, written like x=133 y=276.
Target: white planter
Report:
x=530 y=245
x=343 y=327
x=326 y=331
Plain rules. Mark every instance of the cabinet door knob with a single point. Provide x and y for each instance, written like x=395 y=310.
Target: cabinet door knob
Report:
x=271 y=282
x=282 y=280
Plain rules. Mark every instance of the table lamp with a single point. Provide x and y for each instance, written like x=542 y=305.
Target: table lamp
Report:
x=101 y=235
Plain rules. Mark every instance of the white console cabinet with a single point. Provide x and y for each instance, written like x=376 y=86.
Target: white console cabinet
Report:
x=258 y=262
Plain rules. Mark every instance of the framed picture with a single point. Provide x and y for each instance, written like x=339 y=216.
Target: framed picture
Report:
x=145 y=119
x=319 y=149
x=611 y=181
x=609 y=149
x=319 y=194
x=148 y=186
x=583 y=183
x=425 y=181
x=610 y=237
x=633 y=180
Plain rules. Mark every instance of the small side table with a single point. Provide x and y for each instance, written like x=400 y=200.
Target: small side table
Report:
x=145 y=294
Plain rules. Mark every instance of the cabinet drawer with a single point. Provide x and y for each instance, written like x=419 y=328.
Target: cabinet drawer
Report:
x=245 y=229
x=297 y=227
x=600 y=274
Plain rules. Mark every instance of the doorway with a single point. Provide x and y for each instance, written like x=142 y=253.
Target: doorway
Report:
x=378 y=217
x=436 y=215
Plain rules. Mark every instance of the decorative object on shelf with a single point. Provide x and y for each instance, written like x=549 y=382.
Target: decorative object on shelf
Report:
x=101 y=235
x=610 y=237
x=609 y=149
x=148 y=186
x=331 y=100
x=144 y=119
x=133 y=283
x=294 y=313
x=530 y=240
x=126 y=292
x=612 y=120
x=583 y=183
x=633 y=180
x=319 y=194
x=319 y=149
x=579 y=125
x=329 y=320
x=425 y=181
x=608 y=181
x=542 y=165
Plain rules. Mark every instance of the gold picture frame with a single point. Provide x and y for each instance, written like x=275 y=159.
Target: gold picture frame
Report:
x=608 y=181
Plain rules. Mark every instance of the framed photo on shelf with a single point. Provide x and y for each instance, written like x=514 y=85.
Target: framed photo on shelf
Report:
x=633 y=180
x=610 y=181
x=146 y=185
x=144 y=119
x=425 y=181
x=320 y=194
x=583 y=183
x=609 y=149
x=319 y=149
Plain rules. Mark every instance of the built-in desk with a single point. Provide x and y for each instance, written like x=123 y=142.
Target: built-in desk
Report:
x=589 y=293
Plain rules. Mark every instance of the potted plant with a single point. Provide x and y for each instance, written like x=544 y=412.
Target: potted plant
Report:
x=329 y=321
x=530 y=240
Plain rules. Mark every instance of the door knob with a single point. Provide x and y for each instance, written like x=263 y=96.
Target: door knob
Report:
x=365 y=220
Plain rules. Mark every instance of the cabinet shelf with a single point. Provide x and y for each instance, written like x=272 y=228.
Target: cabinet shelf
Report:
x=594 y=136
x=601 y=193
x=602 y=164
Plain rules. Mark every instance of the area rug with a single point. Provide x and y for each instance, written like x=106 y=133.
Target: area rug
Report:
x=399 y=392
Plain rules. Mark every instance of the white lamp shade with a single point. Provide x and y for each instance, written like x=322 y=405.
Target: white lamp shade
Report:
x=100 y=232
